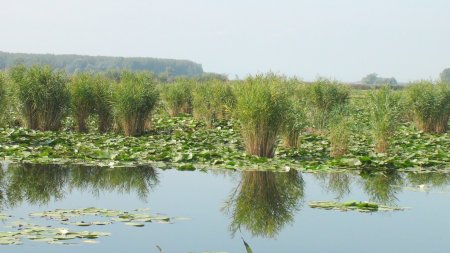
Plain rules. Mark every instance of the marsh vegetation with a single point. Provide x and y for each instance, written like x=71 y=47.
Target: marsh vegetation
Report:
x=263 y=121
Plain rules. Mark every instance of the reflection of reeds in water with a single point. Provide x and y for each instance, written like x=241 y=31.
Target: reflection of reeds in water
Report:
x=382 y=187
x=433 y=179
x=36 y=184
x=40 y=184
x=338 y=183
x=124 y=180
x=265 y=201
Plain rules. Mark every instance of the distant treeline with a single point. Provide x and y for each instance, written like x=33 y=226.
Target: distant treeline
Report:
x=81 y=63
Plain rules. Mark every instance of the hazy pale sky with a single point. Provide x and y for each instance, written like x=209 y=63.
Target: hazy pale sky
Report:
x=341 y=39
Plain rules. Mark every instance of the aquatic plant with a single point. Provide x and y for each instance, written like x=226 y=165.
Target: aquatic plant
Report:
x=82 y=99
x=294 y=124
x=339 y=130
x=384 y=107
x=430 y=105
x=21 y=229
x=339 y=136
x=177 y=96
x=359 y=206
x=190 y=145
x=296 y=119
x=135 y=98
x=322 y=97
x=103 y=106
x=212 y=101
x=262 y=104
x=43 y=96
x=91 y=94
x=3 y=97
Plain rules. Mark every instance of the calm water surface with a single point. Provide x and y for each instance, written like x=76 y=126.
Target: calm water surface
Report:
x=269 y=210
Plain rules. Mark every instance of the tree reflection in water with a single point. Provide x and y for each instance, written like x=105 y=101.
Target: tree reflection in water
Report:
x=264 y=202
x=40 y=184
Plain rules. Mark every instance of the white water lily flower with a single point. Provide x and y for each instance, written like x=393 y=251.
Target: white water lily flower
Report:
x=63 y=231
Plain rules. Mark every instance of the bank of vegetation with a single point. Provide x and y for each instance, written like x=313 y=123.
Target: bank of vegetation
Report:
x=265 y=121
x=71 y=63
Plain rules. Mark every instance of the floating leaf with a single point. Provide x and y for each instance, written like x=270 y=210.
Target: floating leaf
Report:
x=353 y=205
x=134 y=224
x=91 y=241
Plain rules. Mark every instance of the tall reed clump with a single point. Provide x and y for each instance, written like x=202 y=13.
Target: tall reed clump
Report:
x=91 y=94
x=135 y=99
x=43 y=96
x=384 y=108
x=103 y=94
x=296 y=119
x=177 y=96
x=212 y=101
x=3 y=97
x=322 y=97
x=430 y=105
x=339 y=131
x=262 y=103
x=82 y=99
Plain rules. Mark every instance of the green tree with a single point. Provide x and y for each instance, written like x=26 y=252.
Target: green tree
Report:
x=373 y=78
x=370 y=78
x=445 y=75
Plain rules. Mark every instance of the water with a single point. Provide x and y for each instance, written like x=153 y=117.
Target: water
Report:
x=269 y=210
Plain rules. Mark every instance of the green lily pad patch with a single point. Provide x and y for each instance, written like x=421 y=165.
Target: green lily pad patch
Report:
x=46 y=234
x=183 y=143
x=353 y=206
x=20 y=230
x=109 y=216
x=134 y=224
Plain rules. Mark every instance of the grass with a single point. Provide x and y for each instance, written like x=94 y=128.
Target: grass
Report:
x=103 y=107
x=43 y=96
x=3 y=97
x=430 y=105
x=296 y=119
x=384 y=107
x=261 y=107
x=177 y=96
x=212 y=101
x=135 y=98
x=322 y=97
x=264 y=121
x=91 y=94
x=82 y=99
x=339 y=136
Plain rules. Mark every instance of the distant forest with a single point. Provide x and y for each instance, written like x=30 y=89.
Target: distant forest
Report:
x=81 y=63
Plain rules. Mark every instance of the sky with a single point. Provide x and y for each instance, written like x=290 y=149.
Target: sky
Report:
x=338 y=39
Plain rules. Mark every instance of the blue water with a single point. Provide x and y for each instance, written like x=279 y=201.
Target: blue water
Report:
x=423 y=227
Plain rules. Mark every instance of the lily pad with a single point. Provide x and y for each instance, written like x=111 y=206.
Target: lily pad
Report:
x=134 y=224
x=353 y=205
